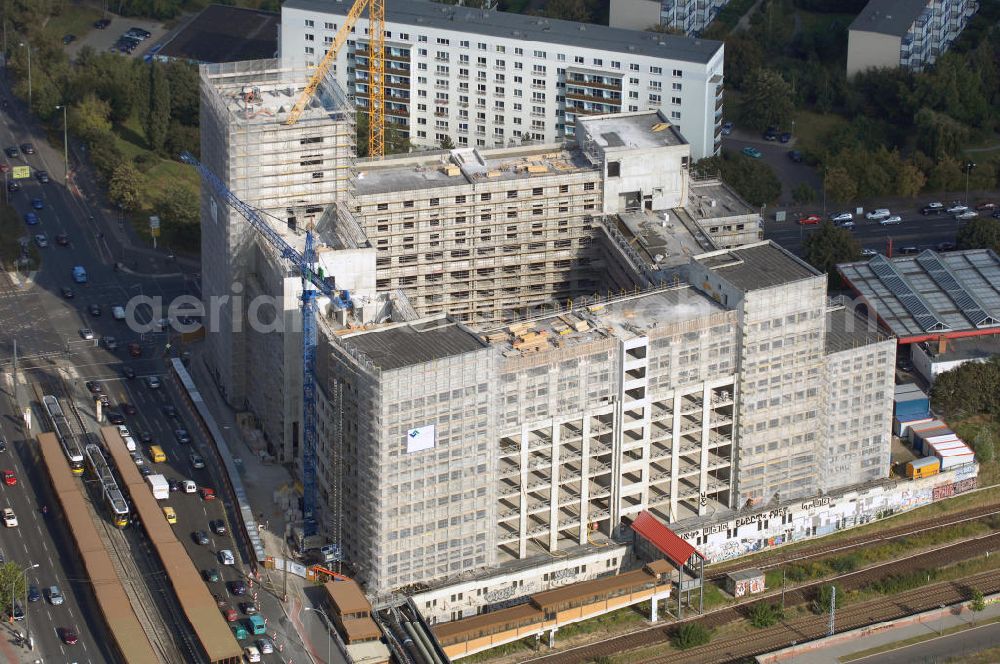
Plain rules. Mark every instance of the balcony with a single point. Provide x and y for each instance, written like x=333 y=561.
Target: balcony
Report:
x=612 y=101
x=581 y=81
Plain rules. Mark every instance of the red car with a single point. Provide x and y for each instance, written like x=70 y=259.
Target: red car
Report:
x=229 y=612
x=69 y=636
x=4 y=167
x=810 y=219
x=9 y=478
x=135 y=350
x=207 y=494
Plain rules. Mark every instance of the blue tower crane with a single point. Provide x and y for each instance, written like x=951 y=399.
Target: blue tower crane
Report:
x=304 y=262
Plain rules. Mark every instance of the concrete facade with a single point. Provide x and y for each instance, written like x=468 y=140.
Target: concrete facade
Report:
x=689 y=17
x=493 y=79
x=905 y=33
x=290 y=174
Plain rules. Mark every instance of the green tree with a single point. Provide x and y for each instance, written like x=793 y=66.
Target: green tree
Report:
x=767 y=100
x=803 y=194
x=752 y=179
x=11 y=581
x=765 y=614
x=446 y=143
x=158 y=111
x=743 y=56
x=691 y=635
x=179 y=205
x=123 y=187
x=910 y=180
x=184 y=99
x=840 y=185
x=106 y=157
x=946 y=175
x=983 y=445
x=569 y=10
x=829 y=245
x=980 y=233
x=938 y=134
x=90 y=119
x=977 y=604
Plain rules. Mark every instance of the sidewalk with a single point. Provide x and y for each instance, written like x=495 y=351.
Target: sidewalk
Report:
x=884 y=635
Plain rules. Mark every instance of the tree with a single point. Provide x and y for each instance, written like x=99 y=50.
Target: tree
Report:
x=666 y=30
x=11 y=581
x=909 y=180
x=158 y=111
x=106 y=157
x=446 y=143
x=938 y=134
x=691 y=635
x=179 y=205
x=569 y=10
x=980 y=233
x=765 y=614
x=90 y=118
x=977 y=603
x=803 y=194
x=767 y=100
x=829 y=245
x=752 y=179
x=184 y=99
x=123 y=188
x=821 y=603
x=839 y=185
x=743 y=56
x=984 y=445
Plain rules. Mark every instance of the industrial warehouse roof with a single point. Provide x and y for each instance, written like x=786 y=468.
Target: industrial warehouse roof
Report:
x=889 y=17
x=523 y=27
x=931 y=294
x=406 y=344
x=225 y=34
x=756 y=266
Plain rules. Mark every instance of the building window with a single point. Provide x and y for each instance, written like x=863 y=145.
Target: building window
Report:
x=676 y=101
x=675 y=115
x=654 y=99
x=678 y=73
x=310 y=37
x=310 y=23
x=655 y=70
x=676 y=87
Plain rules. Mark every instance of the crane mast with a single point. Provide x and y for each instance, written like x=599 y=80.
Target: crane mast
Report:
x=376 y=71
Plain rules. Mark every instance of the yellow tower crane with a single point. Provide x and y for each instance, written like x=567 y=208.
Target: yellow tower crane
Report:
x=376 y=71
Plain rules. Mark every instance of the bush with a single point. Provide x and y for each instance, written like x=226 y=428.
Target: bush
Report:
x=897 y=583
x=106 y=156
x=845 y=564
x=691 y=635
x=821 y=603
x=765 y=615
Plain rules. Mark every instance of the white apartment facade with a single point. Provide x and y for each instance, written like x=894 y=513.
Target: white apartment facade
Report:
x=911 y=34
x=495 y=79
x=689 y=16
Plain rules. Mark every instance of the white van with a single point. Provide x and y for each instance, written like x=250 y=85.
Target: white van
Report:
x=252 y=654
x=118 y=313
x=129 y=443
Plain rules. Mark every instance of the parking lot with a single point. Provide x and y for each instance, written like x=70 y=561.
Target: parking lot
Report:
x=775 y=155
x=103 y=40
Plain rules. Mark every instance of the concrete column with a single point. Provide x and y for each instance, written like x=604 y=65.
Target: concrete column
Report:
x=522 y=539
x=554 y=489
x=675 y=453
x=552 y=637
x=652 y=608
x=706 y=422
x=584 y=482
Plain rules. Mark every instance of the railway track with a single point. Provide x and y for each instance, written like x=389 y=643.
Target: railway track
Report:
x=777 y=558
x=932 y=559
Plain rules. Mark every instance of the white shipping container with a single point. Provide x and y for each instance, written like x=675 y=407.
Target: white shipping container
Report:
x=902 y=427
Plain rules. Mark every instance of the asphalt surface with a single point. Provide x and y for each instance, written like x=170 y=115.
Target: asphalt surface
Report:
x=916 y=230
x=47 y=328
x=943 y=648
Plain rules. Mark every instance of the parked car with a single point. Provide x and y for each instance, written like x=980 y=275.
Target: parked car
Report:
x=968 y=214
x=957 y=208
x=248 y=608
x=41 y=241
x=727 y=128
x=785 y=137
x=869 y=253
x=102 y=23
x=932 y=208
x=37 y=204
x=116 y=418
x=197 y=462
x=237 y=588
x=9 y=478
x=909 y=250
x=69 y=636
x=68 y=39
x=12 y=152
x=87 y=334
x=876 y=215
x=169 y=410
x=13 y=186
x=211 y=575
x=200 y=537
x=67 y=292
x=218 y=526
x=795 y=156
x=55 y=595
x=33 y=594
x=27 y=148
x=841 y=217
x=946 y=246
x=182 y=436
x=983 y=207
x=752 y=152
x=226 y=557
x=30 y=218
x=891 y=220
x=93 y=387
x=846 y=224
x=129 y=373
x=62 y=240
x=810 y=220
x=770 y=134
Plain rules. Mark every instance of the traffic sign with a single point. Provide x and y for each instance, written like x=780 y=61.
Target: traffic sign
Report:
x=21 y=172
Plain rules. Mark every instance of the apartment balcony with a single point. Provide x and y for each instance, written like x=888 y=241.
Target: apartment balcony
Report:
x=611 y=101
x=389 y=69
x=583 y=82
x=590 y=111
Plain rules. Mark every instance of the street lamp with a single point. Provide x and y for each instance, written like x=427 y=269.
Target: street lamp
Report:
x=969 y=165
x=65 y=145
x=329 y=623
x=24 y=608
x=29 y=74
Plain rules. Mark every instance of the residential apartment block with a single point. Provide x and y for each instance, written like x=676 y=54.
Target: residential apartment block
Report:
x=493 y=79
x=905 y=33
x=688 y=16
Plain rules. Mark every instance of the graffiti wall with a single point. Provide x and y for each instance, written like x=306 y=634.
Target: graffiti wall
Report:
x=764 y=529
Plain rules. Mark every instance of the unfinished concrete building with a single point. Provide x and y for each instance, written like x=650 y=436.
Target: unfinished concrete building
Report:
x=291 y=175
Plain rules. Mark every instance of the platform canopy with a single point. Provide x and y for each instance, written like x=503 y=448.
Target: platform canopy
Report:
x=677 y=550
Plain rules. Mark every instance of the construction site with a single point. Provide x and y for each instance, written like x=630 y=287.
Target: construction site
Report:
x=480 y=360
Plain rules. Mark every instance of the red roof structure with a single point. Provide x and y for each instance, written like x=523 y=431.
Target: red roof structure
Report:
x=664 y=539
